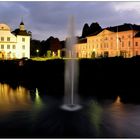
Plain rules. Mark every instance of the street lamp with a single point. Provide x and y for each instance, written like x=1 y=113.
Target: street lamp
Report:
x=37 y=52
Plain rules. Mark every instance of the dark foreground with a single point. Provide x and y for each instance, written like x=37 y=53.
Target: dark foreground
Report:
x=27 y=114
x=107 y=77
x=31 y=96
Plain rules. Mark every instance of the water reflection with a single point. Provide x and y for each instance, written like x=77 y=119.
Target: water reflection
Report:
x=13 y=99
x=95 y=113
x=116 y=115
x=38 y=100
x=26 y=113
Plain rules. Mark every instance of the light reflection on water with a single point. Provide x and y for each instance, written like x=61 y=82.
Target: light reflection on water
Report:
x=29 y=114
x=13 y=99
x=18 y=99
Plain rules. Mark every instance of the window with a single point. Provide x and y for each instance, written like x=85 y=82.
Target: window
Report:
x=23 y=47
x=137 y=53
x=14 y=46
x=23 y=39
x=129 y=44
x=2 y=46
x=136 y=43
x=8 y=46
x=8 y=38
x=14 y=55
x=122 y=44
x=2 y=38
x=107 y=45
x=23 y=54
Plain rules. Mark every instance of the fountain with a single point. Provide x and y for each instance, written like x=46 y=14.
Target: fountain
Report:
x=71 y=72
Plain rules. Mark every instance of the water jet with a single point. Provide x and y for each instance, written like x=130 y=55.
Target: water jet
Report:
x=71 y=71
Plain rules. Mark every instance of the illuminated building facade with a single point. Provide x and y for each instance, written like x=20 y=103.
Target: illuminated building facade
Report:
x=122 y=40
x=14 y=45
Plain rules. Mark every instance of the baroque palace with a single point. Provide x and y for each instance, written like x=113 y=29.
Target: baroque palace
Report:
x=122 y=40
x=15 y=44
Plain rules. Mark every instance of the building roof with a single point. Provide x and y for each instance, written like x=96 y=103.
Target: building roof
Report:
x=20 y=32
x=137 y=34
x=83 y=40
x=21 y=23
x=95 y=33
x=124 y=27
x=4 y=26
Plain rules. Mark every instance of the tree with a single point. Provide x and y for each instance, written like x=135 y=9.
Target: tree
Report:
x=94 y=27
x=34 y=46
x=85 y=30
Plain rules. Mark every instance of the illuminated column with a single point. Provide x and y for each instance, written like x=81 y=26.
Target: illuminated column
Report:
x=53 y=54
x=59 y=53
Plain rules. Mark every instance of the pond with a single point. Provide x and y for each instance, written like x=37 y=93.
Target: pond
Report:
x=30 y=114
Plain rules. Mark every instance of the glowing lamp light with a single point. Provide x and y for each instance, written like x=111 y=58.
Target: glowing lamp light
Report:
x=37 y=50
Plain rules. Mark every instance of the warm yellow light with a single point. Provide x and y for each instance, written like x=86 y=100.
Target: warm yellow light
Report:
x=38 y=100
x=118 y=100
x=37 y=50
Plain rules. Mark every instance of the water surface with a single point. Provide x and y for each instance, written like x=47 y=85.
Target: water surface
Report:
x=28 y=113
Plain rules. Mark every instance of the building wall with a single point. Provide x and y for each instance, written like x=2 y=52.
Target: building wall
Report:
x=23 y=46
x=110 y=44
x=12 y=46
x=81 y=50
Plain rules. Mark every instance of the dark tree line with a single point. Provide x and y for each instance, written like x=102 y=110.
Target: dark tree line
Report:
x=54 y=44
x=89 y=30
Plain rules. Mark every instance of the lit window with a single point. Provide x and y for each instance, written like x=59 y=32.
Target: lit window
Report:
x=2 y=46
x=23 y=39
x=8 y=46
x=136 y=43
x=23 y=47
x=8 y=38
x=14 y=46
x=2 y=38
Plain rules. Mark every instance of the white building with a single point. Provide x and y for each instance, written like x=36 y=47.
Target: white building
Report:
x=15 y=44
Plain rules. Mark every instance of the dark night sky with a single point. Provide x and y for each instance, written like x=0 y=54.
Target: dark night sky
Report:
x=50 y=18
